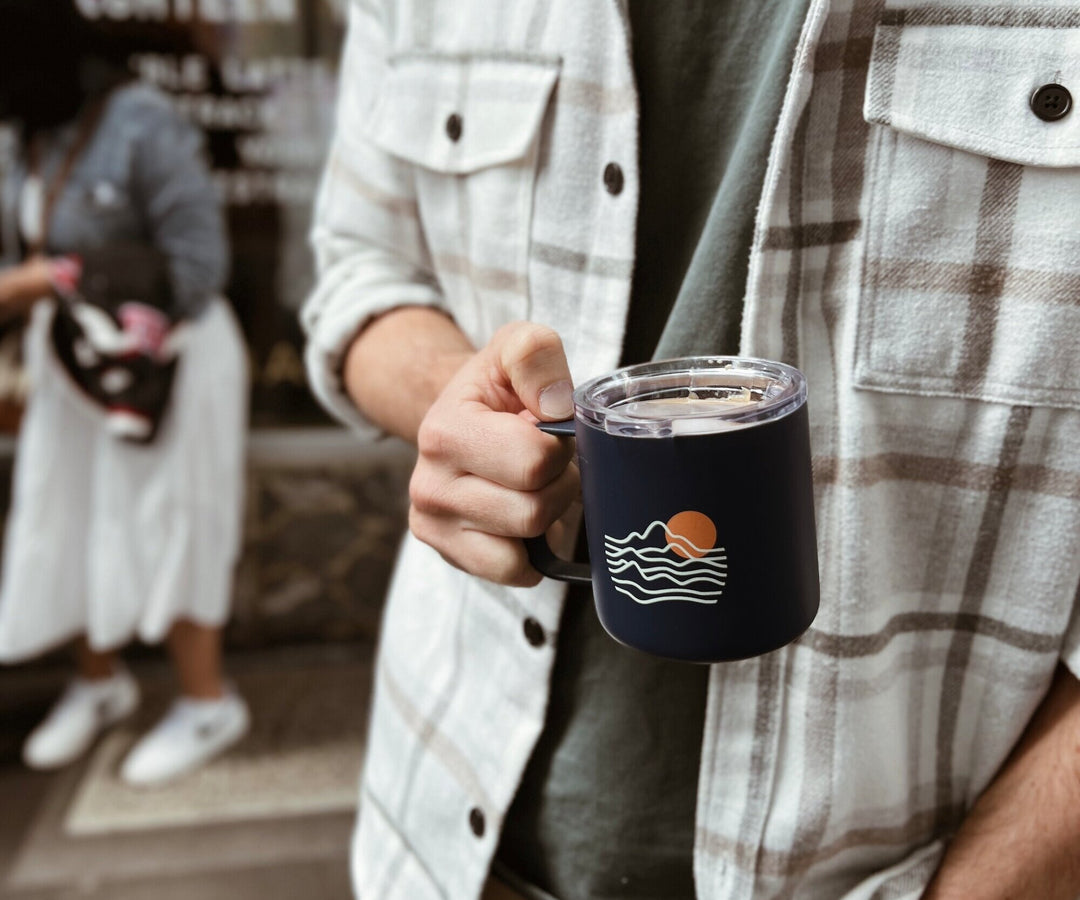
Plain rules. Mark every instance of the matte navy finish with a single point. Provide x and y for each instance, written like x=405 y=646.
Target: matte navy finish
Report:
x=755 y=485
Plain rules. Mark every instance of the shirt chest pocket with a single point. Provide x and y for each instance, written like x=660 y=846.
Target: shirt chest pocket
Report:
x=971 y=283
x=470 y=125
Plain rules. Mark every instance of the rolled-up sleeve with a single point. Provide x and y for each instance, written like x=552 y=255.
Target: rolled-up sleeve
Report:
x=369 y=246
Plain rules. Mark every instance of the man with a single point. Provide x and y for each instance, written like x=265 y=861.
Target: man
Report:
x=912 y=224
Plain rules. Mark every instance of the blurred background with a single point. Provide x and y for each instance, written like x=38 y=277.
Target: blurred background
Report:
x=323 y=518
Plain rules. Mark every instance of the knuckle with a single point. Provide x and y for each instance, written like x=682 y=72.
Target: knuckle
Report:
x=424 y=494
x=419 y=525
x=433 y=439
x=535 y=469
x=487 y=560
x=494 y=559
x=417 y=491
x=508 y=564
x=525 y=340
x=521 y=573
x=534 y=518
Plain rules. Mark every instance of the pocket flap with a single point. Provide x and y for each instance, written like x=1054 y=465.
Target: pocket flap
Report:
x=965 y=76
x=458 y=114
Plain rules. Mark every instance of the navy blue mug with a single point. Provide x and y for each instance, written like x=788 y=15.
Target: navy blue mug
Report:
x=699 y=506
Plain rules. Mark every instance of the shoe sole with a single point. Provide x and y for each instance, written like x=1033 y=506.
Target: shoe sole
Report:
x=226 y=740
x=106 y=720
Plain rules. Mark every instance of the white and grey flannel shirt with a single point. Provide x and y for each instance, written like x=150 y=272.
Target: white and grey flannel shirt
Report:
x=917 y=254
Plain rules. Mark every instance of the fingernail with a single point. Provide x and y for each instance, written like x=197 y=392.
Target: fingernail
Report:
x=557 y=400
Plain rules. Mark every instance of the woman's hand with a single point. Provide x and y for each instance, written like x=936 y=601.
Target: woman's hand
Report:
x=23 y=285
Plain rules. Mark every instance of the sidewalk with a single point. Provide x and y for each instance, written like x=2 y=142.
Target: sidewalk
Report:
x=269 y=820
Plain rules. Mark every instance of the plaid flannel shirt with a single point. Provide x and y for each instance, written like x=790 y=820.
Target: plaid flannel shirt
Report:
x=917 y=254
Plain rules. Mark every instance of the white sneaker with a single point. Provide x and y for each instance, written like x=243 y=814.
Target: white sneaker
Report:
x=84 y=710
x=191 y=733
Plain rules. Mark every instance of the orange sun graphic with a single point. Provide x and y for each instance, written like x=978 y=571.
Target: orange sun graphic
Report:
x=691 y=533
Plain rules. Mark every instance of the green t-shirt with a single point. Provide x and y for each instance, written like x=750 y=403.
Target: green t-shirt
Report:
x=606 y=806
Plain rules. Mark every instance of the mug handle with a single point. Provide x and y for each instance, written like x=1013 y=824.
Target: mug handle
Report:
x=541 y=556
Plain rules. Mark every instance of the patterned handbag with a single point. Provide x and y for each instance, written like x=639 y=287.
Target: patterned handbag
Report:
x=114 y=334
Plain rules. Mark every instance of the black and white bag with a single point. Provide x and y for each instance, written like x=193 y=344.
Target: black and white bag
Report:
x=116 y=336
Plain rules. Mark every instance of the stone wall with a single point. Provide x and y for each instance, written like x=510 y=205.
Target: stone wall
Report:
x=318 y=549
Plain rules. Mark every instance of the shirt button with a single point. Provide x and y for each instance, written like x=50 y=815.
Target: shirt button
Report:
x=476 y=821
x=534 y=632
x=1051 y=102
x=613 y=179
x=453 y=127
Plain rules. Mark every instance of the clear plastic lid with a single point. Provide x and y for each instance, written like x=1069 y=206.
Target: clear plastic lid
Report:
x=693 y=395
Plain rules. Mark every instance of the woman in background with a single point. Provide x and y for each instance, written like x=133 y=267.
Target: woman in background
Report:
x=126 y=507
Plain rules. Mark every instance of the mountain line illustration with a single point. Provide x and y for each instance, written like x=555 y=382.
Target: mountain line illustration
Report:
x=670 y=561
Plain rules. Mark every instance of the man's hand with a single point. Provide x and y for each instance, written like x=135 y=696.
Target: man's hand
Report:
x=22 y=285
x=486 y=476
x=1021 y=841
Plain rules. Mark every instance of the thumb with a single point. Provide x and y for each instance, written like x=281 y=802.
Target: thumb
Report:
x=533 y=360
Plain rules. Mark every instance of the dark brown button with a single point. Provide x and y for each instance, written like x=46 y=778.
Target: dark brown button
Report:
x=476 y=821
x=613 y=178
x=534 y=632
x=1051 y=102
x=453 y=127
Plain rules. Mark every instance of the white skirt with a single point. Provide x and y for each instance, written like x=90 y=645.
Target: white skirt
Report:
x=114 y=540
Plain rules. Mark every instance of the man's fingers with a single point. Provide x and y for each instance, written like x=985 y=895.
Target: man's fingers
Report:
x=486 y=476
x=497 y=446
x=533 y=359
x=502 y=560
x=482 y=505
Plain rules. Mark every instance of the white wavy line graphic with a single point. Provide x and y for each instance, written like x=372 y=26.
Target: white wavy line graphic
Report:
x=706 y=567
x=652 y=574
x=646 y=590
x=640 y=535
x=714 y=555
x=652 y=526
x=675 y=596
x=666 y=563
x=679 y=582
